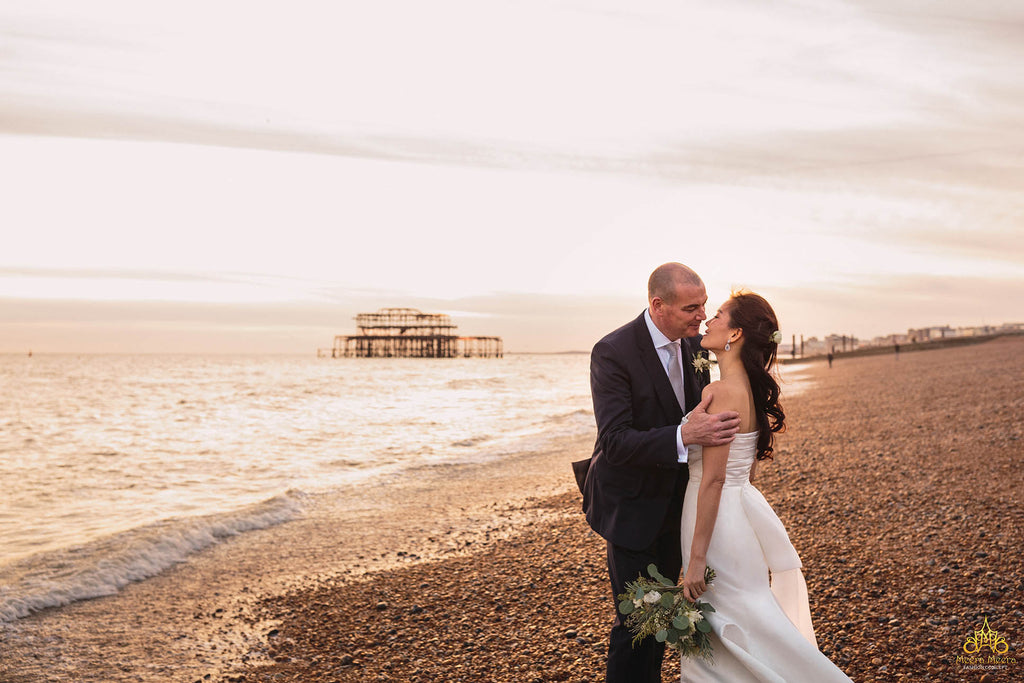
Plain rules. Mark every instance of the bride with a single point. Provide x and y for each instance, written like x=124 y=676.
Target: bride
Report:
x=761 y=629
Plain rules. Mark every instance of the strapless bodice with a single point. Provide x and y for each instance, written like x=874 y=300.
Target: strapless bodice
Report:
x=737 y=468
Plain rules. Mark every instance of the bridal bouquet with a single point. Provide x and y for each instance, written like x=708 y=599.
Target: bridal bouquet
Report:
x=656 y=606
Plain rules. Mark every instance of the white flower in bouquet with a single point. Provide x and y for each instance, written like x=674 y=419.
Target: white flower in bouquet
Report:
x=652 y=597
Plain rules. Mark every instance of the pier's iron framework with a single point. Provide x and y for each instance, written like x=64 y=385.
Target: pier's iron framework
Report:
x=409 y=333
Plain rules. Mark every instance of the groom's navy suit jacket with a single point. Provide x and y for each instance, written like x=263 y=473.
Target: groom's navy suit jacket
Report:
x=635 y=482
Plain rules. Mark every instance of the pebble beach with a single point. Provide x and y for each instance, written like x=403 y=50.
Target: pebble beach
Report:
x=898 y=479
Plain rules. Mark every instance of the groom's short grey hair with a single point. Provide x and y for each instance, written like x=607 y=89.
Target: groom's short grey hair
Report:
x=667 y=278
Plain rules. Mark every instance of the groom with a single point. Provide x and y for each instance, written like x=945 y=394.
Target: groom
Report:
x=643 y=381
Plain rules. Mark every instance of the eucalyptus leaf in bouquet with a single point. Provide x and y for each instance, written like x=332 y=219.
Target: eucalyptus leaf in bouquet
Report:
x=656 y=607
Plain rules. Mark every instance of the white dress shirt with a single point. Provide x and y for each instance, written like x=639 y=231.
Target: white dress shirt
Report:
x=661 y=343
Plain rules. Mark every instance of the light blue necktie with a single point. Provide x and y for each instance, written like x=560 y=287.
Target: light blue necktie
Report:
x=675 y=374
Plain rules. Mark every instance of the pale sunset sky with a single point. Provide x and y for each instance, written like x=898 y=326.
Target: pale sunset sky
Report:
x=246 y=176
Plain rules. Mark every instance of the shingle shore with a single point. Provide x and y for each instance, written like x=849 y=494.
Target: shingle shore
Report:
x=899 y=482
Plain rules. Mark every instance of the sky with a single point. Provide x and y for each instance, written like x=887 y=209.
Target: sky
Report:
x=246 y=176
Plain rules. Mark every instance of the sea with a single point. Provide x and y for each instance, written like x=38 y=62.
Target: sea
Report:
x=115 y=467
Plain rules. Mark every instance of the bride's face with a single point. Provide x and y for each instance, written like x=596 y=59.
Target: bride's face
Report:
x=719 y=330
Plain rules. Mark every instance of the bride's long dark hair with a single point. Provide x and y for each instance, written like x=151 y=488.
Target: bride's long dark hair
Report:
x=752 y=314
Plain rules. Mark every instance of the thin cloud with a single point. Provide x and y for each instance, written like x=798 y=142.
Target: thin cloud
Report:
x=108 y=273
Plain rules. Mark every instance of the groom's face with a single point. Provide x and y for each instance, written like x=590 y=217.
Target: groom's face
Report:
x=683 y=316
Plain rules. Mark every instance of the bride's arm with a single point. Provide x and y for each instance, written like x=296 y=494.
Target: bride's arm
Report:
x=708 y=496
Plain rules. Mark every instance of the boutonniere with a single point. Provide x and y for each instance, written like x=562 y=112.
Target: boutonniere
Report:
x=700 y=363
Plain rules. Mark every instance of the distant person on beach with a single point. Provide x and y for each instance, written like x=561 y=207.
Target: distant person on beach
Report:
x=830 y=357
x=896 y=347
x=761 y=626
x=643 y=380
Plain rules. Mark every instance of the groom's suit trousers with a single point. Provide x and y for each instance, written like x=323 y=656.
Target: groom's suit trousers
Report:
x=640 y=664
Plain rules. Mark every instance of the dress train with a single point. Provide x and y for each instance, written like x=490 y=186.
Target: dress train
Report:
x=761 y=629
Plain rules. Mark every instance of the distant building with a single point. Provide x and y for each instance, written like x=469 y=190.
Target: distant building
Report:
x=409 y=333
x=888 y=340
x=814 y=347
x=931 y=333
x=839 y=343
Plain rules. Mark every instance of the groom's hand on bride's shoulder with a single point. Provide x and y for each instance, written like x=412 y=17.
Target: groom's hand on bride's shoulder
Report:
x=709 y=429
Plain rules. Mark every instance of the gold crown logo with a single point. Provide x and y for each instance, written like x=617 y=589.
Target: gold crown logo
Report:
x=986 y=637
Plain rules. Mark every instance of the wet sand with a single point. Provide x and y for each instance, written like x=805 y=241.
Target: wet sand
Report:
x=899 y=481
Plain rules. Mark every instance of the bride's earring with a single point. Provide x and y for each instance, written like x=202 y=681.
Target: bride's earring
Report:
x=726 y=344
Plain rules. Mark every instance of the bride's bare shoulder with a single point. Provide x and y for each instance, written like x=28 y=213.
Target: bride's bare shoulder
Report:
x=724 y=396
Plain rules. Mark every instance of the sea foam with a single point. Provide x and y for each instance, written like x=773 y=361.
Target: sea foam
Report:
x=104 y=566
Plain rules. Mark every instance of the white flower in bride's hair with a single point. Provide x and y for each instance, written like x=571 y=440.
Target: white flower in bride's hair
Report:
x=776 y=337
x=700 y=363
x=652 y=597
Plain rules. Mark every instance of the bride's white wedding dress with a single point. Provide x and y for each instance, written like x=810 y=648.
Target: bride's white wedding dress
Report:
x=761 y=631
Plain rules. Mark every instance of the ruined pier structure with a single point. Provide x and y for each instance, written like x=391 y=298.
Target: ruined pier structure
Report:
x=409 y=333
